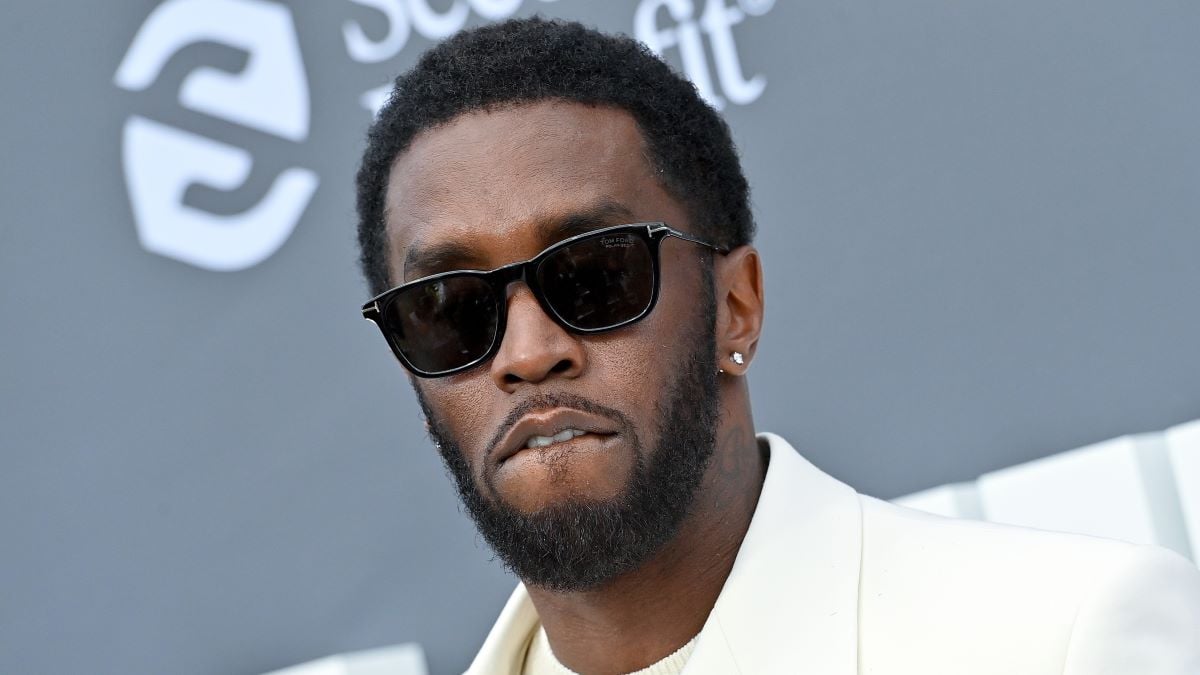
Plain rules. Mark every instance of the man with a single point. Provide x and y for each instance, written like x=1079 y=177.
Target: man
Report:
x=558 y=234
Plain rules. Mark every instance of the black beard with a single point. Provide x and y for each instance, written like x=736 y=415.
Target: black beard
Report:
x=581 y=545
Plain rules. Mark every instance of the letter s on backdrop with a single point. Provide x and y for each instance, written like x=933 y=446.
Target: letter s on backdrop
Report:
x=160 y=162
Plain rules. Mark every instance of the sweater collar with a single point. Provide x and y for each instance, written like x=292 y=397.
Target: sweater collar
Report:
x=790 y=603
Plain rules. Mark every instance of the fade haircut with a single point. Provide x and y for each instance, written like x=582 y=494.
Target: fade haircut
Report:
x=528 y=60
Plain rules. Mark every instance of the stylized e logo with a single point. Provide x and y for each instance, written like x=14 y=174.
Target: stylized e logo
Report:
x=161 y=161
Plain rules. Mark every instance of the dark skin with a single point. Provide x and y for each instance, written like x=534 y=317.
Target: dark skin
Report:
x=491 y=188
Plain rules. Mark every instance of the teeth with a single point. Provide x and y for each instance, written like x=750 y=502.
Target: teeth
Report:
x=543 y=441
x=565 y=435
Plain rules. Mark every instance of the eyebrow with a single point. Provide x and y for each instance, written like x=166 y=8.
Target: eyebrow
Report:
x=442 y=256
x=603 y=213
x=450 y=255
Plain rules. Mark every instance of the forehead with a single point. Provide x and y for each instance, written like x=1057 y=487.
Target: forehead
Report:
x=488 y=179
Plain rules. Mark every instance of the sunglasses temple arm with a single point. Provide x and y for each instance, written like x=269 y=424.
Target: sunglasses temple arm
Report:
x=687 y=237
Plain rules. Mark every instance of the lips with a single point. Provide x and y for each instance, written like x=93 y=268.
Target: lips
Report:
x=545 y=428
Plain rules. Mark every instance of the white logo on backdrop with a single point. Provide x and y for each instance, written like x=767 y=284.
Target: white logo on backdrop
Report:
x=161 y=162
x=271 y=95
x=716 y=23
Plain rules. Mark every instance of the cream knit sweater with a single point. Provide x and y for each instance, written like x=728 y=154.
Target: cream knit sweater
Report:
x=539 y=660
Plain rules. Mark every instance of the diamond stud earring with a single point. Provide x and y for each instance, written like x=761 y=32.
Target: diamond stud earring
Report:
x=736 y=357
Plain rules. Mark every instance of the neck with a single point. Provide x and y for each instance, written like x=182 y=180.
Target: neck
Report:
x=645 y=615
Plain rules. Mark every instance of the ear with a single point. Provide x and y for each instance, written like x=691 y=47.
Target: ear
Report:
x=738 y=282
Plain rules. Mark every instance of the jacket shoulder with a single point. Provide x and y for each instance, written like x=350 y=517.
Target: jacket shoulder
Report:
x=947 y=593
x=1144 y=618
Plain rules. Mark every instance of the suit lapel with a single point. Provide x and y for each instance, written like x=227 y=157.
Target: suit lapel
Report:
x=791 y=601
x=503 y=652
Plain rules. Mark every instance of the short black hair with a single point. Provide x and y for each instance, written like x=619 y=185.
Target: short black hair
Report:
x=527 y=60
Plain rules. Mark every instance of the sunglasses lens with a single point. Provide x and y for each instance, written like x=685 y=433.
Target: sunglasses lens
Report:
x=442 y=324
x=599 y=282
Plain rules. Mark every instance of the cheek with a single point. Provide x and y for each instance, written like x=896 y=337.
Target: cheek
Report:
x=626 y=367
x=462 y=407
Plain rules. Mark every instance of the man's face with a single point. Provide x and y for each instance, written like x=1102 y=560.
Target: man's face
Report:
x=493 y=188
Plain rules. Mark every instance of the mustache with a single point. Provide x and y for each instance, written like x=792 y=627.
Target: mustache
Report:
x=546 y=401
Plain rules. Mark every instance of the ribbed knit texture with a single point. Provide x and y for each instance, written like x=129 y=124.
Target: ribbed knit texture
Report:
x=540 y=660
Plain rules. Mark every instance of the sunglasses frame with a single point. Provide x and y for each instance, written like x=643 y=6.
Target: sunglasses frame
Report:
x=525 y=271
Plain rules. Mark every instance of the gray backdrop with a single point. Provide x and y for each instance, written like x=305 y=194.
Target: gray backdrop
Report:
x=979 y=225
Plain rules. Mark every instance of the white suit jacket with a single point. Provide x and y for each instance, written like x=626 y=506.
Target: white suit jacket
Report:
x=830 y=582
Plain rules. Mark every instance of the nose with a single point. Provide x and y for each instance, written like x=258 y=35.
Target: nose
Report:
x=535 y=348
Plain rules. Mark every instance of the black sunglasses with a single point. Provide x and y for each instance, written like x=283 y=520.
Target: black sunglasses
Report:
x=594 y=282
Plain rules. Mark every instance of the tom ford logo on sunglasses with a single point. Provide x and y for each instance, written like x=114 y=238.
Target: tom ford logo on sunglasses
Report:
x=617 y=242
